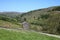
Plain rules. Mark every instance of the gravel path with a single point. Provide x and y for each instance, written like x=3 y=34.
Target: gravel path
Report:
x=57 y=36
x=17 y=30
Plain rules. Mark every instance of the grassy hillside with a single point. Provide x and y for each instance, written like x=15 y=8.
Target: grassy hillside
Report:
x=47 y=18
x=9 y=24
x=37 y=13
x=23 y=35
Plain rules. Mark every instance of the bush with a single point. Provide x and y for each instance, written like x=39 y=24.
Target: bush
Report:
x=7 y=19
x=45 y=16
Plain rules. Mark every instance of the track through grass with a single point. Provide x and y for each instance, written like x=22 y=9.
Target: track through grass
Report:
x=23 y=35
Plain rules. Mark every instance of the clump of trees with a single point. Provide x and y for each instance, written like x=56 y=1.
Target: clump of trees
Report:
x=5 y=18
x=56 y=8
x=45 y=16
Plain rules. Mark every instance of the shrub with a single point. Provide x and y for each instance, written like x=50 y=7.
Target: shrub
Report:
x=45 y=16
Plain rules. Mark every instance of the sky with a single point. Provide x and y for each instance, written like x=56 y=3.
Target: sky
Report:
x=26 y=5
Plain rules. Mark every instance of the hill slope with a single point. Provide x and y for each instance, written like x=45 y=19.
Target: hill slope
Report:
x=47 y=18
x=39 y=12
x=9 y=24
x=10 y=14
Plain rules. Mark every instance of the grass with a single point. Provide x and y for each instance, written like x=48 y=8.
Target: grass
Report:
x=9 y=24
x=23 y=35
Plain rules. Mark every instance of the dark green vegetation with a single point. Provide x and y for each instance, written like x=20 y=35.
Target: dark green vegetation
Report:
x=45 y=20
x=23 y=35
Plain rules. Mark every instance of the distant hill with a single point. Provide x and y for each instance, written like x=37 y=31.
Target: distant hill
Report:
x=10 y=14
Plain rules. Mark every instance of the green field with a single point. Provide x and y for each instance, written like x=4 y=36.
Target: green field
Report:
x=23 y=35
